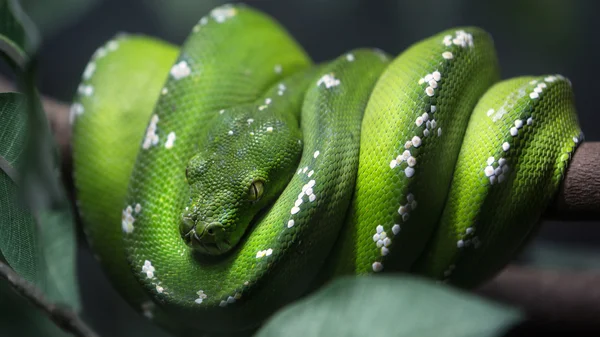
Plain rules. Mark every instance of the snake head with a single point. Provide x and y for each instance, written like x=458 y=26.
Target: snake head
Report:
x=232 y=178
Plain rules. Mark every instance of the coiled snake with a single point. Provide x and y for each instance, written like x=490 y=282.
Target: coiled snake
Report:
x=244 y=175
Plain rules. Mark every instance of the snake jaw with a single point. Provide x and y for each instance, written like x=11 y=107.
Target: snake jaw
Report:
x=205 y=238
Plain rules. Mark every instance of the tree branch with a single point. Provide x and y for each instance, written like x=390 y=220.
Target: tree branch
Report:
x=560 y=295
x=61 y=316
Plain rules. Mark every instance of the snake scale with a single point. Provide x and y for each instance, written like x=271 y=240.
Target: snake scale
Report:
x=220 y=181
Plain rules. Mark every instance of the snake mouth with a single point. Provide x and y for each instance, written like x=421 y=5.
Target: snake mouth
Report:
x=206 y=241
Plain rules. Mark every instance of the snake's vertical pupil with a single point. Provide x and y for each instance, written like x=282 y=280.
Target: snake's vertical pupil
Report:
x=256 y=190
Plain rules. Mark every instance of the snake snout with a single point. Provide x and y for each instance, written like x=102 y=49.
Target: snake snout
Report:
x=207 y=238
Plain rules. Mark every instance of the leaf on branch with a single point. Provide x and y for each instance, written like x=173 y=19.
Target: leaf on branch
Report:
x=37 y=237
x=391 y=306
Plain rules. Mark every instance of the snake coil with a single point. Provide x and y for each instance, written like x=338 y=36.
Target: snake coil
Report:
x=244 y=176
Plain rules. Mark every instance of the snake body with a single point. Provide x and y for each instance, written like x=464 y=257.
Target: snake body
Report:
x=244 y=175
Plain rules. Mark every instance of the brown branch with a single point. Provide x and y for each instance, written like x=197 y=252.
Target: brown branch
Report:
x=563 y=295
x=579 y=196
x=61 y=316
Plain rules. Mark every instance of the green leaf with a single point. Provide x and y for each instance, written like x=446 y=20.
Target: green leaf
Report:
x=391 y=306
x=37 y=237
x=18 y=37
x=18 y=242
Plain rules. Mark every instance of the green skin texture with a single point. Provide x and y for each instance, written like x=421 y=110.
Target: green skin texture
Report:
x=247 y=105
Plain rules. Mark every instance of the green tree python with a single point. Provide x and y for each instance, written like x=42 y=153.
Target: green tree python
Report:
x=222 y=180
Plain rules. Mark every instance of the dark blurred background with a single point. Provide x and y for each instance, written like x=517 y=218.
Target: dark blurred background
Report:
x=532 y=37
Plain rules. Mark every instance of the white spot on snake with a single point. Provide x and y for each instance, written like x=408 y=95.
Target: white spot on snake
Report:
x=310 y=173
x=127 y=220
x=491 y=160
x=270 y=129
x=575 y=140
x=387 y=242
x=529 y=121
x=393 y=163
x=534 y=95
x=170 y=140
x=377 y=266
x=428 y=78
x=89 y=71
x=426 y=133
x=85 y=90
x=425 y=116
x=148 y=269
x=180 y=70
x=384 y=251
x=501 y=161
x=250 y=121
x=429 y=91
x=230 y=300
x=223 y=304
x=489 y=171
x=409 y=172
x=437 y=76
x=151 y=136
x=222 y=13
x=379 y=229
x=463 y=39
x=295 y=210
x=298 y=202
x=375 y=237
x=490 y=112
x=138 y=208
x=411 y=161
x=421 y=81
x=281 y=88
x=290 y=223
x=505 y=146
x=112 y=45
x=100 y=53
x=408 y=144
x=447 y=55
x=350 y=57
x=433 y=108
x=278 y=69
x=514 y=132
x=164 y=91
x=329 y=80
x=416 y=141
x=159 y=289
x=447 y=41
x=201 y=297
x=316 y=154
x=419 y=121
x=518 y=123
x=222 y=111
x=396 y=229
x=312 y=197
x=75 y=110
x=439 y=132
x=433 y=84
x=230 y=132
x=460 y=243
x=268 y=252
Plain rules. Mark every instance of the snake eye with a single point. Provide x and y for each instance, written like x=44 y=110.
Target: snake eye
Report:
x=256 y=190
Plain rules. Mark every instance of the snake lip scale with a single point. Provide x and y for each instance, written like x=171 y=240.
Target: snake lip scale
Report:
x=244 y=176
